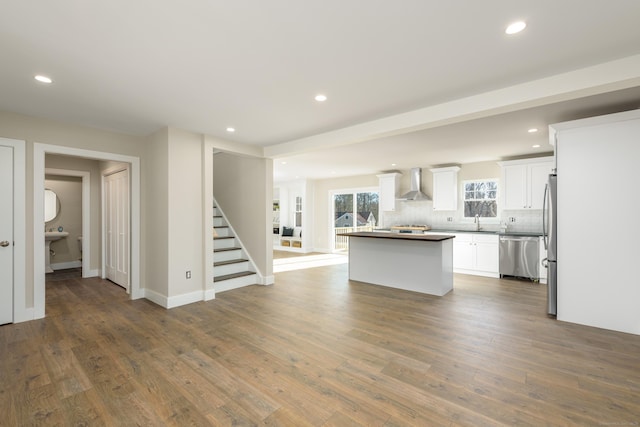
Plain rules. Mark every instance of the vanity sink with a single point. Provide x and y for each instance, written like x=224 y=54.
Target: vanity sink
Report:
x=52 y=236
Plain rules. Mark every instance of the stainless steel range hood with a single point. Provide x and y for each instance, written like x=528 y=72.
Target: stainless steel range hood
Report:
x=415 y=193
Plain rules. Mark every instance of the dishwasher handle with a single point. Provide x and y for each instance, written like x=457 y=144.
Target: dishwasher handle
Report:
x=518 y=238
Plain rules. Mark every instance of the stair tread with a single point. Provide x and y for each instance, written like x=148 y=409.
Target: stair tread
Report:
x=223 y=237
x=220 y=226
x=233 y=276
x=229 y=262
x=235 y=248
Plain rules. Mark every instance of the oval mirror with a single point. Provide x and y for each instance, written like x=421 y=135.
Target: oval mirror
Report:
x=50 y=205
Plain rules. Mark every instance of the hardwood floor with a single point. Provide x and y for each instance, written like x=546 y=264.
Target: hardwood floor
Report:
x=315 y=349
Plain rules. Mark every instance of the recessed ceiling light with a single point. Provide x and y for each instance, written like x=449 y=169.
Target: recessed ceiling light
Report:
x=393 y=164
x=536 y=146
x=516 y=27
x=532 y=130
x=283 y=163
x=321 y=98
x=231 y=130
x=43 y=79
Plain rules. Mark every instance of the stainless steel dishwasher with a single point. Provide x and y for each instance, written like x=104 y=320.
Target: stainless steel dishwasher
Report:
x=519 y=256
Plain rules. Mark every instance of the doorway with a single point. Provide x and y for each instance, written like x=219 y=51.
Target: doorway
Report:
x=39 y=152
x=352 y=210
x=86 y=213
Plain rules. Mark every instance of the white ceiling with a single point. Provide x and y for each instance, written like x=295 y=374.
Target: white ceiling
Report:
x=204 y=65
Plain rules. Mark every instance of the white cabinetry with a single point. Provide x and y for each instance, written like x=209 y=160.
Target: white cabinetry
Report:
x=477 y=254
x=445 y=188
x=389 y=187
x=523 y=182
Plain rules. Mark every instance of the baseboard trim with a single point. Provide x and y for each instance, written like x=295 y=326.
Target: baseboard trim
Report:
x=209 y=294
x=155 y=297
x=65 y=265
x=184 y=299
x=268 y=280
x=476 y=273
x=93 y=273
x=23 y=315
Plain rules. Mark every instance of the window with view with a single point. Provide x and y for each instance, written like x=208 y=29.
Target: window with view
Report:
x=480 y=198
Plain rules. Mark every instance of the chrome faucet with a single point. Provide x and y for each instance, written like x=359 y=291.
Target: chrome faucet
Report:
x=477 y=221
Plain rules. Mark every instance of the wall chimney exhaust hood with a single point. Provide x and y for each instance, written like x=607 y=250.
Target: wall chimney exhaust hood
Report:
x=416 y=182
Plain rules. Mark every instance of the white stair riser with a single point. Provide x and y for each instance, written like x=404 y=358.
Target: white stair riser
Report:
x=227 y=255
x=217 y=222
x=227 y=285
x=223 y=243
x=236 y=267
x=223 y=232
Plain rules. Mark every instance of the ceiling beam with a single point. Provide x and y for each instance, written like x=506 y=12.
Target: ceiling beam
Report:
x=606 y=77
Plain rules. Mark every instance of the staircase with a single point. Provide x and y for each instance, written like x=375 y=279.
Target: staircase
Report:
x=231 y=267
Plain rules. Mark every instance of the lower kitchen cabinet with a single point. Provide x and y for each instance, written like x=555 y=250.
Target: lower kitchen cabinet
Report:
x=476 y=254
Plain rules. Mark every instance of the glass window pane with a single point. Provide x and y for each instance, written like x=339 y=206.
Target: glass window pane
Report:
x=469 y=186
x=367 y=206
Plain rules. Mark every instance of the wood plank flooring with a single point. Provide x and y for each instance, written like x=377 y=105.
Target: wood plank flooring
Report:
x=315 y=350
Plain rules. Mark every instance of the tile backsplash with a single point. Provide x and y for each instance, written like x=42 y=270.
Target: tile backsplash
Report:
x=410 y=212
x=421 y=212
x=525 y=220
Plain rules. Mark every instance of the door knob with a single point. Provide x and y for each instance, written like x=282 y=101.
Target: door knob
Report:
x=4 y=243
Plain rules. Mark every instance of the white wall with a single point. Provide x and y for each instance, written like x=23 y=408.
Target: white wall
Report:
x=185 y=238
x=598 y=281
x=156 y=223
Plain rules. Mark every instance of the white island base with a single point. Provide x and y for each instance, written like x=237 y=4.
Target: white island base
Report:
x=419 y=263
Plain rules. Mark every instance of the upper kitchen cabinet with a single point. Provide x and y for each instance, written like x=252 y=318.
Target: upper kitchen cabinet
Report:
x=445 y=188
x=523 y=182
x=389 y=187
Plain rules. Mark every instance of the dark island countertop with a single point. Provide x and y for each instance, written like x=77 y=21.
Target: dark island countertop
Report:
x=399 y=236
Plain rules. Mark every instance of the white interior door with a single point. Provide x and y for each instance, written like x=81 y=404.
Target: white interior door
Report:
x=6 y=235
x=116 y=188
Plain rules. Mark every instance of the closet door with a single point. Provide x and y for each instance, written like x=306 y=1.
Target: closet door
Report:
x=6 y=235
x=116 y=197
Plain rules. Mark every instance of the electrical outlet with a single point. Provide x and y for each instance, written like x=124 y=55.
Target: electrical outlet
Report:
x=449 y=219
x=189 y=274
x=512 y=219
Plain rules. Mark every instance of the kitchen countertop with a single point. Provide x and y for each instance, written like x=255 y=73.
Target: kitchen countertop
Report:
x=399 y=236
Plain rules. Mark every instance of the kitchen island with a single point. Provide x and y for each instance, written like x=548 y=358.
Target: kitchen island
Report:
x=413 y=262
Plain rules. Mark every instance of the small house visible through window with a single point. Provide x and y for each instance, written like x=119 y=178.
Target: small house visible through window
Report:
x=480 y=198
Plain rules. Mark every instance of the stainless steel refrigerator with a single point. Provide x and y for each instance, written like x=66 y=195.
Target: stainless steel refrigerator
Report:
x=549 y=230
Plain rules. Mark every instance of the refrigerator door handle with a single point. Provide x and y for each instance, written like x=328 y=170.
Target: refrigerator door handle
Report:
x=545 y=236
